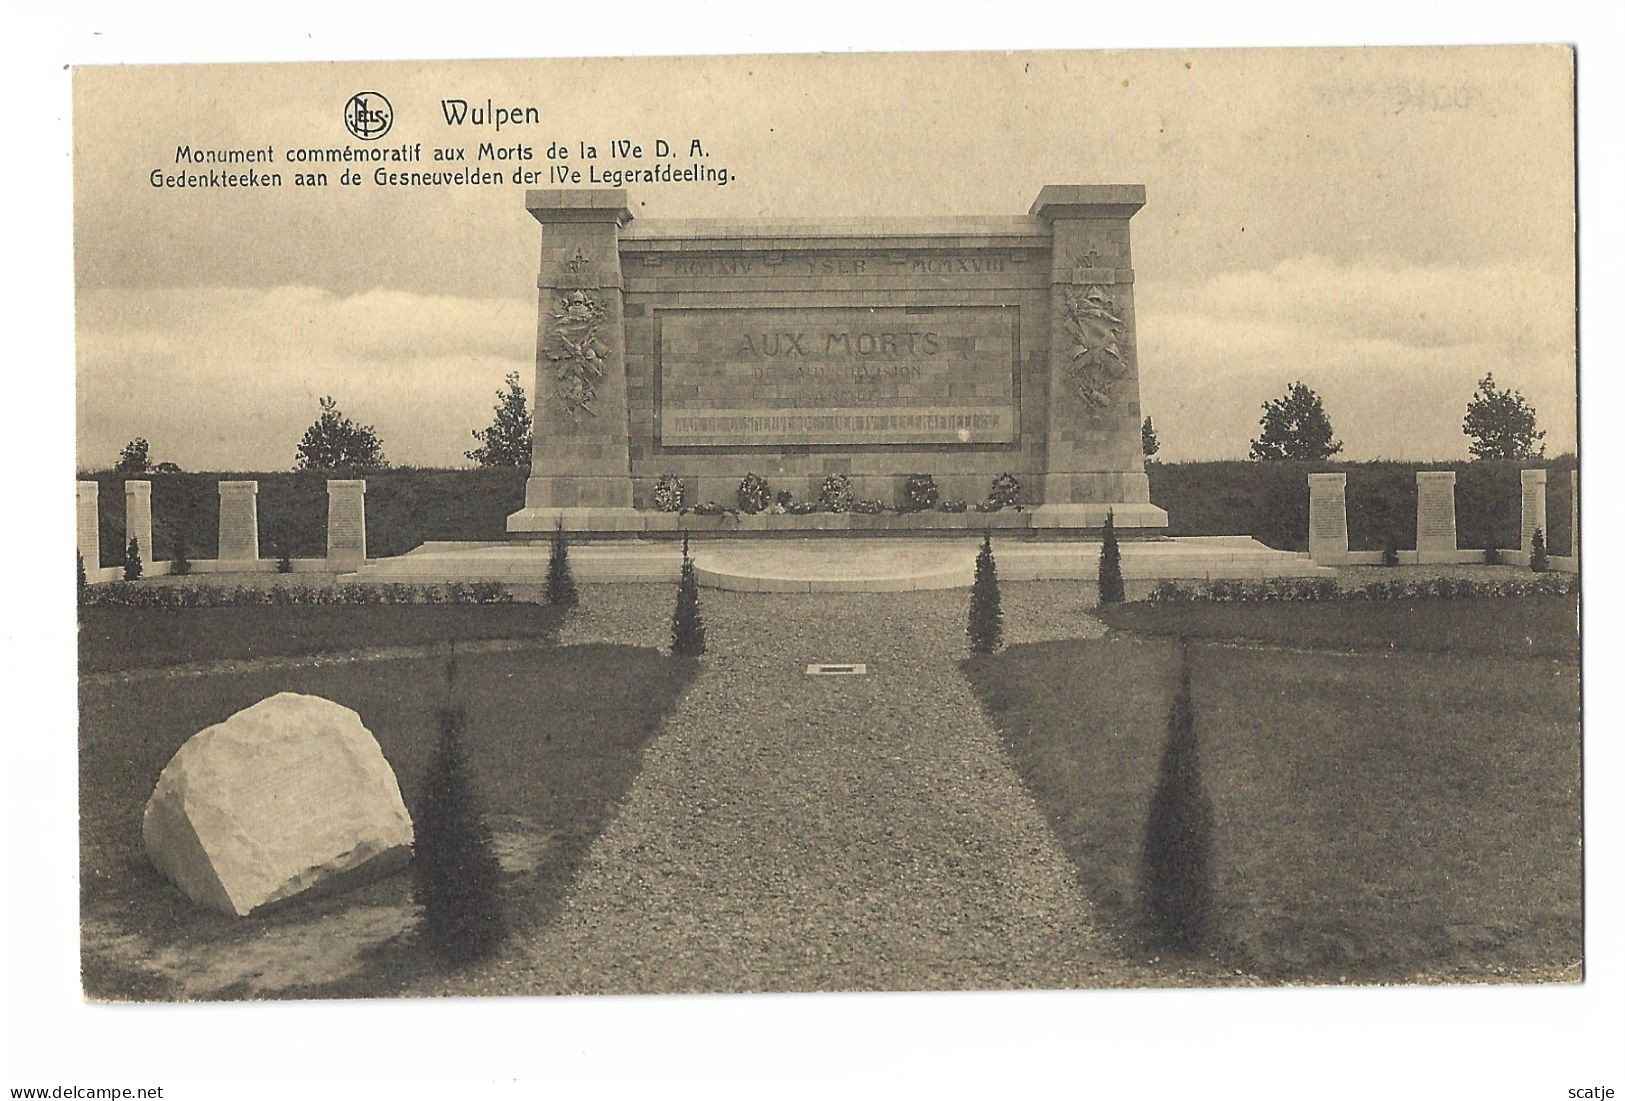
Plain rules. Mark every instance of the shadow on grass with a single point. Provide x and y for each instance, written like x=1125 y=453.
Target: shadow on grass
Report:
x=1378 y=817
x=555 y=737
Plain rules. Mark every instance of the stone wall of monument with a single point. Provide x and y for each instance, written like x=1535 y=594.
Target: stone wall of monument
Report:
x=801 y=352
x=958 y=347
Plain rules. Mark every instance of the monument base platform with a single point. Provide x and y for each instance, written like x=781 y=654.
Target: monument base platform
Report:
x=841 y=565
x=1127 y=517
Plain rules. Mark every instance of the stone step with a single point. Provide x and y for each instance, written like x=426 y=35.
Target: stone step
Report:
x=835 y=565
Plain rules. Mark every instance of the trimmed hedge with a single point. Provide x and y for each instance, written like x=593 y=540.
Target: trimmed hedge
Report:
x=407 y=507
x=1278 y=590
x=126 y=594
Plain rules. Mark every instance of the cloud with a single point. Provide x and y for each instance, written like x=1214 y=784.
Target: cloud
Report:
x=1394 y=351
x=228 y=378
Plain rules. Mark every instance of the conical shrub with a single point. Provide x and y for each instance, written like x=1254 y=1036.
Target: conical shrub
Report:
x=456 y=878
x=687 y=626
x=561 y=586
x=985 y=628
x=1177 y=858
x=132 y=560
x=1538 y=561
x=1110 y=574
x=180 y=564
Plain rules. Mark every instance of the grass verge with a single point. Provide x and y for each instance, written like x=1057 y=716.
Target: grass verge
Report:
x=1536 y=626
x=1378 y=817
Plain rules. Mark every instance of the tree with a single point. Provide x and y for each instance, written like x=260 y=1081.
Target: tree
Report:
x=1501 y=424
x=456 y=878
x=133 y=459
x=687 y=628
x=132 y=560
x=507 y=441
x=1176 y=862
x=1110 y=574
x=561 y=586
x=1295 y=426
x=986 y=626
x=335 y=442
x=1149 y=444
x=83 y=583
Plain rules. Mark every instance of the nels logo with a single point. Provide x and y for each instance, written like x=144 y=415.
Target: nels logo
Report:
x=368 y=115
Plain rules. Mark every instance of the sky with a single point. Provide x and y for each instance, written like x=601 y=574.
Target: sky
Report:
x=1385 y=225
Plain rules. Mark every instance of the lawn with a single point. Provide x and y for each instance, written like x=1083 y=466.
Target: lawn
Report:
x=113 y=638
x=1379 y=816
x=554 y=736
x=1536 y=626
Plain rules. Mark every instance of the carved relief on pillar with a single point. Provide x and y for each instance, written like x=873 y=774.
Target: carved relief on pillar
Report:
x=577 y=353
x=1098 y=358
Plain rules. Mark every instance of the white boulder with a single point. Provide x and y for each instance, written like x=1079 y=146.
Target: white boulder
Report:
x=289 y=796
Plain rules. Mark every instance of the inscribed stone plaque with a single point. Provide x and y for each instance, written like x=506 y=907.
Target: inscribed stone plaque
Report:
x=1574 y=514
x=89 y=525
x=347 y=520
x=138 y=517
x=1328 y=518
x=1533 y=483
x=1435 y=516
x=853 y=375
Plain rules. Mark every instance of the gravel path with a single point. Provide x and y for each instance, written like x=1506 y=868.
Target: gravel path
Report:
x=790 y=832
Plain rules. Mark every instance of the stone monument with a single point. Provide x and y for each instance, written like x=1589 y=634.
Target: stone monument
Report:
x=138 y=517
x=962 y=348
x=239 y=522
x=1435 y=516
x=1328 y=519
x=346 y=522
x=88 y=524
x=1533 y=484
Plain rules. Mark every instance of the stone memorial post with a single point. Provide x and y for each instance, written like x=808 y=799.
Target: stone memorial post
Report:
x=239 y=522
x=1093 y=454
x=579 y=456
x=89 y=525
x=1574 y=515
x=347 y=522
x=1534 y=507
x=1328 y=519
x=1435 y=516
x=138 y=518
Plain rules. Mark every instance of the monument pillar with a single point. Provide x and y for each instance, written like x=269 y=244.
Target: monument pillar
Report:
x=1328 y=519
x=1093 y=458
x=88 y=523
x=347 y=522
x=1435 y=516
x=1534 y=508
x=239 y=522
x=138 y=518
x=1574 y=515
x=579 y=454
